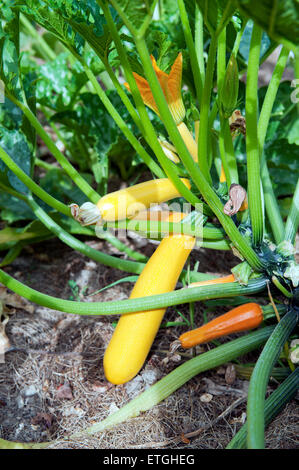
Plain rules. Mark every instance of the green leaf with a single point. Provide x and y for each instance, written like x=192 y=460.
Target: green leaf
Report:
x=215 y=14
x=279 y=18
x=44 y=15
x=22 y=87
x=86 y=18
x=266 y=43
x=16 y=145
x=59 y=184
x=12 y=209
x=136 y=14
x=58 y=84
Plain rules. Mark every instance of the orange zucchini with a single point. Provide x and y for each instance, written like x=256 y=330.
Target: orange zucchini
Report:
x=244 y=317
x=218 y=280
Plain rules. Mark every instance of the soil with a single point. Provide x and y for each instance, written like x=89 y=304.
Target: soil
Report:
x=46 y=396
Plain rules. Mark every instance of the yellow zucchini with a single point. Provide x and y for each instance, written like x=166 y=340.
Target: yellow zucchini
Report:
x=135 y=332
x=127 y=202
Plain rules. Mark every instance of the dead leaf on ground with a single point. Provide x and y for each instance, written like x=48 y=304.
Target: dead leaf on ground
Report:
x=64 y=391
x=14 y=300
x=42 y=419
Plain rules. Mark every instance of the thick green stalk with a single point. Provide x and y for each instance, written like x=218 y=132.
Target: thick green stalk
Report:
x=221 y=67
x=214 y=244
x=69 y=169
x=196 y=174
x=273 y=406
x=204 y=111
x=179 y=376
x=252 y=145
x=260 y=377
x=221 y=59
x=227 y=153
x=132 y=305
x=191 y=50
x=292 y=222
x=159 y=228
x=199 y=46
x=271 y=204
x=230 y=152
x=51 y=201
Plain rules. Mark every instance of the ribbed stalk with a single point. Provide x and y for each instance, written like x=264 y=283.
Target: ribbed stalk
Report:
x=271 y=204
x=191 y=50
x=133 y=305
x=273 y=406
x=252 y=147
x=292 y=222
x=260 y=377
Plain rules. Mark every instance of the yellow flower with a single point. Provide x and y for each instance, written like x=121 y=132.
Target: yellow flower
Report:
x=171 y=87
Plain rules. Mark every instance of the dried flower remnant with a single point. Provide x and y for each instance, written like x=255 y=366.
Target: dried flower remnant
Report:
x=237 y=196
x=237 y=124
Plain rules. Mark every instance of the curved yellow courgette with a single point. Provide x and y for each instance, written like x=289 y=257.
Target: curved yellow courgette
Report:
x=135 y=332
x=127 y=202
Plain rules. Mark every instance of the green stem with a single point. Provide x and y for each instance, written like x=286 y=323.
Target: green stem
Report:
x=110 y=238
x=260 y=377
x=230 y=152
x=157 y=228
x=191 y=50
x=44 y=48
x=69 y=169
x=271 y=204
x=214 y=244
x=292 y=222
x=199 y=42
x=238 y=39
x=65 y=237
x=252 y=144
x=131 y=305
x=51 y=201
x=273 y=406
x=205 y=109
x=221 y=59
x=221 y=68
x=179 y=376
x=11 y=191
x=47 y=166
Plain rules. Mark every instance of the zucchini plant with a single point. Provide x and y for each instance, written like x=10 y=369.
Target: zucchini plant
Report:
x=156 y=85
